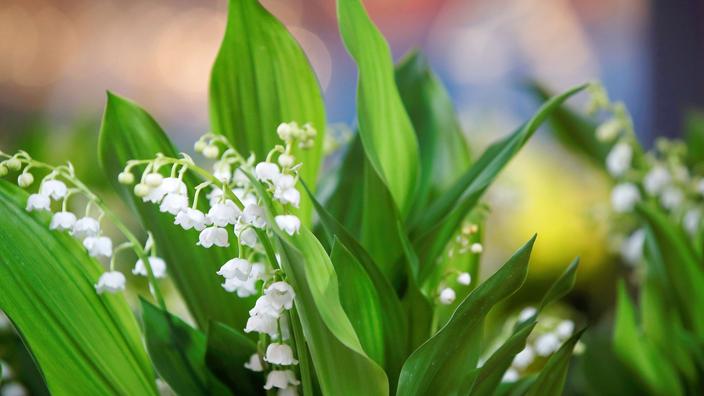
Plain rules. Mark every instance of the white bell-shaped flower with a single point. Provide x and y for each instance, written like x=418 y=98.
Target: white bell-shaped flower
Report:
x=222 y=171
x=54 y=189
x=691 y=220
x=36 y=202
x=285 y=190
x=464 y=278
x=174 y=203
x=213 y=236
x=527 y=313
x=62 y=221
x=624 y=197
x=153 y=179
x=158 y=267
x=619 y=159
x=264 y=324
x=280 y=354
x=224 y=213
x=189 y=218
x=98 y=246
x=169 y=185
x=288 y=391
x=609 y=130
x=266 y=171
x=236 y=268
x=215 y=195
x=447 y=296
x=254 y=363
x=254 y=214
x=14 y=388
x=546 y=344
x=511 y=375
x=476 y=248
x=656 y=180
x=672 y=197
x=265 y=306
x=86 y=227
x=110 y=282
x=632 y=247
x=241 y=288
x=564 y=329
x=246 y=235
x=280 y=294
x=280 y=379
x=524 y=358
x=289 y=223
x=240 y=178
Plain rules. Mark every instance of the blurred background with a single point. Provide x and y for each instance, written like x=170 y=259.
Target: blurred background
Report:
x=58 y=58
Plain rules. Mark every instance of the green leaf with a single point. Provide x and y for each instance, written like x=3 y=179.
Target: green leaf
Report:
x=386 y=131
x=432 y=232
x=346 y=203
x=83 y=342
x=490 y=374
x=261 y=78
x=694 y=137
x=638 y=353
x=129 y=132
x=178 y=353
x=442 y=364
x=341 y=364
x=551 y=380
x=226 y=353
x=444 y=153
x=393 y=322
x=683 y=267
x=573 y=130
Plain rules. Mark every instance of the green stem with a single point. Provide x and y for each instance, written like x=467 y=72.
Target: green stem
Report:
x=299 y=342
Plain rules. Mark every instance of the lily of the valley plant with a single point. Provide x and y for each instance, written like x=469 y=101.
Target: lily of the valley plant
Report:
x=376 y=294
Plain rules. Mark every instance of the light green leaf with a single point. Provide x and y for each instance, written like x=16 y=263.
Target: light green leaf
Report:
x=444 y=153
x=638 y=353
x=346 y=203
x=682 y=265
x=573 y=130
x=393 y=321
x=262 y=78
x=226 y=353
x=432 y=232
x=129 y=132
x=551 y=380
x=443 y=364
x=83 y=342
x=341 y=364
x=387 y=133
x=178 y=353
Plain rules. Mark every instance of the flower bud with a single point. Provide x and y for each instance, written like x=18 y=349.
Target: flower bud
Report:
x=13 y=163
x=211 y=151
x=3 y=170
x=141 y=190
x=25 y=179
x=286 y=160
x=125 y=178
x=199 y=146
x=153 y=179
x=476 y=248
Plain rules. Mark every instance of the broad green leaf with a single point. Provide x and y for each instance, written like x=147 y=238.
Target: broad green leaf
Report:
x=551 y=380
x=178 y=353
x=490 y=374
x=694 y=137
x=444 y=153
x=261 y=78
x=129 y=132
x=226 y=353
x=573 y=130
x=638 y=353
x=442 y=365
x=386 y=131
x=393 y=322
x=341 y=364
x=346 y=203
x=432 y=232
x=683 y=267
x=83 y=342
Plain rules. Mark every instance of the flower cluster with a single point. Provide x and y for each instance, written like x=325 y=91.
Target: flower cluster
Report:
x=547 y=338
x=658 y=175
x=461 y=245
x=234 y=206
x=59 y=186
